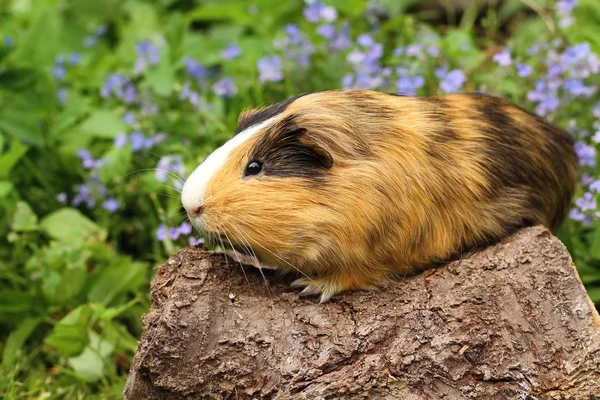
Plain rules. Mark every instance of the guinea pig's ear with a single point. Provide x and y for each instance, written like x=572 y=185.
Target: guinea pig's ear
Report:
x=320 y=151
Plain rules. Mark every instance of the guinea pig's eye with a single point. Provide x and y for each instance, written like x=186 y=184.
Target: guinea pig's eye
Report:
x=253 y=168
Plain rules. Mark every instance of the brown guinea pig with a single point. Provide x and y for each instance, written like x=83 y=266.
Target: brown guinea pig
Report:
x=353 y=188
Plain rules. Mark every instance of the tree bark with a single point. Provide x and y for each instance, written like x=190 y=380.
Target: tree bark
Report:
x=512 y=321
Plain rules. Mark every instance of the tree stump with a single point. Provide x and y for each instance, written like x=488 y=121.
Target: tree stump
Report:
x=512 y=321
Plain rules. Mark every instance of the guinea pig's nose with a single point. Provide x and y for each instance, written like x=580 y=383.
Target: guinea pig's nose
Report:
x=196 y=212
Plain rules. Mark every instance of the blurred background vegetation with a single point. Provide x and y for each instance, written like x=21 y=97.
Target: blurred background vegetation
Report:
x=106 y=105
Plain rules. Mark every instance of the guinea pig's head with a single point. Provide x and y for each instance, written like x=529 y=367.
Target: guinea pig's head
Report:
x=272 y=189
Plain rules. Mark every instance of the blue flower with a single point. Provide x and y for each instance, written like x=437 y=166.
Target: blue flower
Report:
x=365 y=40
x=174 y=233
x=62 y=198
x=120 y=140
x=137 y=140
x=524 y=70
x=129 y=118
x=230 y=52
x=161 y=232
x=294 y=34
x=327 y=31
x=576 y=214
x=194 y=241
x=129 y=94
x=61 y=96
x=452 y=81
x=59 y=71
x=585 y=153
x=224 y=87
x=586 y=202
x=577 y=88
x=269 y=69
x=100 y=30
x=90 y=41
x=595 y=186
x=596 y=137
x=113 y=85
x=8 y=41
x=83 y=195
x=195 y=69
x=74 y=58
x=575 y=53
x=317 y=11
x=503 y=58
x=167 y=165
x=111 y=205
x=185 y=229
x=87 y=161
x=148 y=54
x=409 y=84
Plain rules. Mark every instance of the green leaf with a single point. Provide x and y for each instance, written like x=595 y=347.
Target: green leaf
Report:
x=460 y=47
x=161 y=79
x=90 y=363
x=115 y=279
x=116 y=163
x=16 y=340
x=6 y=187
x=9 y=159
x=18 y=79
x=70 y=334
x=595 y=247
x=24 y=220
x=41 y=41
x=69 y=224
x=104 y=124
x=21 y=124
x=13 y=301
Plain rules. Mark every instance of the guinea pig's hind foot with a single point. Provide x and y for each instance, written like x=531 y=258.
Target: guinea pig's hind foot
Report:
x=324 y=287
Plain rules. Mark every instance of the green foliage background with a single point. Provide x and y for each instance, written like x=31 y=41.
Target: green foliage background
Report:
x=74 y=280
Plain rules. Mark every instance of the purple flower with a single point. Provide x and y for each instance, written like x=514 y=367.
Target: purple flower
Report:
x=577 y=88
x=546 y=95
x=90 y=41
x=111 y=205
x=62 y=198
x=596 y=137
x=8 y=41
x=174 y=233
x=148 y=54
x=503 y=58
x=167 y=165
x=587 y=179
x=409 y=84
x=86 y=158
x=230 y=52
x=576 y=214
x=120 y=140
x=129 y=94
x=341 y=41
x=225 y=87
x=524 y=70
x=83 y=196
x=113 y=85
x=195 y=69
x=137 y=140
x=585 y=153
x=58 y=72
x=194 y=241
x=586 y=202
x=161 y=232
x=327 y=31
x=185 y=228
x=595 y=186
x=129 y=118
x=317 y=11
x=414 y=50
x=61 y=96
x=565 y=6
x=365 y=40
x=294 y=34
x=74 y=58
x=452 y=81
x=574 y=54
x=269 y=69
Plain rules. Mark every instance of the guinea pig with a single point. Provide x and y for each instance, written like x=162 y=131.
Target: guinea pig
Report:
x=352 y=189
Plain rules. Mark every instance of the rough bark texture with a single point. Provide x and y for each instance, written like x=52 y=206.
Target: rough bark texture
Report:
x=511 y=321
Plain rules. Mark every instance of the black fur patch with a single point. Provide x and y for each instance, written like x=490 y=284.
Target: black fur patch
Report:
x=286 y=151
x=265 y=113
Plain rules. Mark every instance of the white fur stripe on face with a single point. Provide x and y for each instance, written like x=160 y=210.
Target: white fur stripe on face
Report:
x=192 y=194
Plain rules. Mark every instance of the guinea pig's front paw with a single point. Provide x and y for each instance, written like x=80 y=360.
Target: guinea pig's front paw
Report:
x=327 y=288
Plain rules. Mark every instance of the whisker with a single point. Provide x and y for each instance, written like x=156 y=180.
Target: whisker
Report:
x=239 y=262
